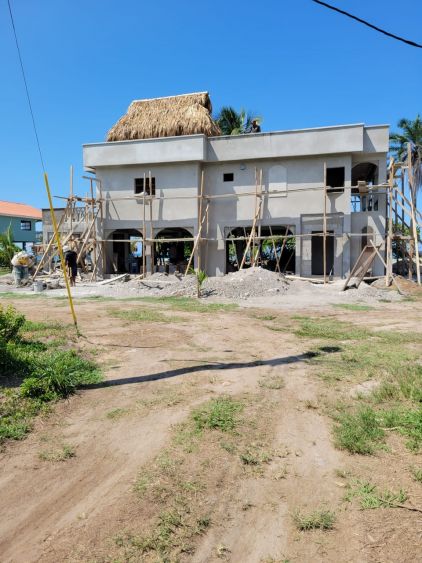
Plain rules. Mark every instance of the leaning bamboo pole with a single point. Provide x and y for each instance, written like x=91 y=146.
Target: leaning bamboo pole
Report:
x=412 y=192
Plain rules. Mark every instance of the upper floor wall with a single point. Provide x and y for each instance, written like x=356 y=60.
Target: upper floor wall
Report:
x=340 y=139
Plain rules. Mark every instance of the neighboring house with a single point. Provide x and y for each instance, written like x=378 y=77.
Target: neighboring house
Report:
x=23 y=220
x=173 y=141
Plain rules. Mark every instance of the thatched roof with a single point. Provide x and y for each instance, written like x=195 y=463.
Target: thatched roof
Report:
x=188 y=114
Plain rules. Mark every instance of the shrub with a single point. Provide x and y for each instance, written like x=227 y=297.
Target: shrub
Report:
x=57 y=374
x=11 y=323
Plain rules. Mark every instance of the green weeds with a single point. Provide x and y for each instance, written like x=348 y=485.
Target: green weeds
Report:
x=360 y=432
x=370 y=496
x=322 y=519
x=217 y=414
x=58 y=454
x=190 y=305
x=353 y=307
x=147 y=315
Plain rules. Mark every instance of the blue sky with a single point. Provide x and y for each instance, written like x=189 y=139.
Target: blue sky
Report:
x=291 y=61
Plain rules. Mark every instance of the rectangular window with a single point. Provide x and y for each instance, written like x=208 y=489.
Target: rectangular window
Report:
x=335 y=179
x=26 y=225
x=139 y=186
x=228 y=177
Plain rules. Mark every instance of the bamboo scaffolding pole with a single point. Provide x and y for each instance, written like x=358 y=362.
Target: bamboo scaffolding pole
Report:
x=262 y=237
x=273 y=193
x=144 y=235
x=51 y=241
x=201 y=202
x=389 y=247
x=415 y=232
x=151 y=229
x=62 y=260
x=250 y=237
x=324 y=221
x=277 y=258
x=198 y=236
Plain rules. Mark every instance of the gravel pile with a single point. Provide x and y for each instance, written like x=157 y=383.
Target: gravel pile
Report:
x=253 y=282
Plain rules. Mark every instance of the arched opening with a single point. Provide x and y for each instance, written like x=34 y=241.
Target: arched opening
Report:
x=272 y=253
x=172 y=255
x=365 y=172
x=124 y=252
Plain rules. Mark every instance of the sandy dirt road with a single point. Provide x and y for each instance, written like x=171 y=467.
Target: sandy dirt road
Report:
x=155 y=373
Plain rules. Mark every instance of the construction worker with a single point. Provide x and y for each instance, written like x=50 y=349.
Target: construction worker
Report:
x=70 y=259
x=22 y=262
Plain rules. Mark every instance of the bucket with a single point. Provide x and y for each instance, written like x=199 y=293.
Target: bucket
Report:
x=38 y=286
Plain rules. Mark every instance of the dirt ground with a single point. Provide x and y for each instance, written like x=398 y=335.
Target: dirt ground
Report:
x=155 y=374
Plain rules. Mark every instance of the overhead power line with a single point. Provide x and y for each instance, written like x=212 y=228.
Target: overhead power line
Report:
x=26 y=86
x=360 y=20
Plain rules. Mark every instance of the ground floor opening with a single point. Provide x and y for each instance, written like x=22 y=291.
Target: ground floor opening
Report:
x=272 y=253
x=173 y=253
x=124 y=252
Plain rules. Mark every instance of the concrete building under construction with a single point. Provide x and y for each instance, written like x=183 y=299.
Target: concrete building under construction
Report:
x=166 y=175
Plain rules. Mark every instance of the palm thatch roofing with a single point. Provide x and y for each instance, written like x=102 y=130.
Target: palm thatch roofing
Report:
x=188 y=114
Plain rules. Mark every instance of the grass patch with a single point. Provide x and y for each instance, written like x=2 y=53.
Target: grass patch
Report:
x=318 y=520
x=329 y=329
x=363 y=431
x=217 y=414
x=393 y=359
x=148 y=315
x=190 y=304
x=360 y=432
x=416 y=473
x=370 y=496
x=115 y=414
x=58 y=454
x=32 y=374
x=273 y=382
x=353 y=307
x=255 y=455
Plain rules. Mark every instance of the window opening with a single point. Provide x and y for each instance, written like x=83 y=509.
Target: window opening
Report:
x=139 y=186
x=228 y=177
x=26 y=225
x=335 y=179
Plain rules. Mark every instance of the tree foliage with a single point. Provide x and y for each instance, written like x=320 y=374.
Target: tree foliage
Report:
x=7 y=247
x=232 y=122
x=411 y=132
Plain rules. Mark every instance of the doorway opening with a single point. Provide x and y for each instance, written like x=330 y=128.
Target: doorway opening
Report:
x=275 y=254
x=317 y=253
x=172 y=255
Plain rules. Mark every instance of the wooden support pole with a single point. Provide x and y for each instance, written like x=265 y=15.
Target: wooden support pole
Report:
x=144 y=235
x=151 y=227
x=324 y=247
x=412 y=193
x=200 y=205
x=71 y=197
x=248 y=245
x=198 y=236
x=389 y=246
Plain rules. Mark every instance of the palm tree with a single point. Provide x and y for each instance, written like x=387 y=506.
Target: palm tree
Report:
x=411 y=132
x=7 y=247
x=232 y=122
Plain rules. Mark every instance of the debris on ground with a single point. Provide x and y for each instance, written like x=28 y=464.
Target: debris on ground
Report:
x=249 y=287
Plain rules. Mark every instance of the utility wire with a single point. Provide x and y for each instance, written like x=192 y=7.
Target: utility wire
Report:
x=26 y=86
x=407 y=41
